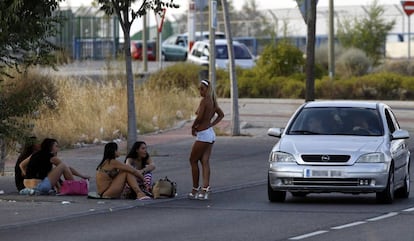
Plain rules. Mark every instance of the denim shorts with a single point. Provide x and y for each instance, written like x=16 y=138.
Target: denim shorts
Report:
x=44 y=186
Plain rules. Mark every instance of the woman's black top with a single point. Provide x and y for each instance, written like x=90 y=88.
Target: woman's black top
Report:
x=39 y=165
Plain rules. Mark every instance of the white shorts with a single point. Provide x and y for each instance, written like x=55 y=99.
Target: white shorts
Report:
x=207 y=135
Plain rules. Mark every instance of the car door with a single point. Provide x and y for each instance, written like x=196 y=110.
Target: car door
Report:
x=398 y=148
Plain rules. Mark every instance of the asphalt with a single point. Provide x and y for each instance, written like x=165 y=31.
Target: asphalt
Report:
x=255 y=116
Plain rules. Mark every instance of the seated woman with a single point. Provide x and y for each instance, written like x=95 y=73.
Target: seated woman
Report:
x=139 y=159
x=31 y=146
x=112 y=175
x=44 y=169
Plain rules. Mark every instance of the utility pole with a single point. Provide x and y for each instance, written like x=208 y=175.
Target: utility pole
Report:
x=331 y=41
x=144 y=43
x=212 y=38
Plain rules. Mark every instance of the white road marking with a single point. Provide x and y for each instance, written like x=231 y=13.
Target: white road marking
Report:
x=348 y=225
x=408 y=210
x=388 y=215
x=308 y=235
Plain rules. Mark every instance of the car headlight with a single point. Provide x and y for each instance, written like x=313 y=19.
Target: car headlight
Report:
x=371 y=158
x=281 y=157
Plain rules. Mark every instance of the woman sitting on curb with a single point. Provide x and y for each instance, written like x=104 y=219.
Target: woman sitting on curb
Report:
x=44 y=169
x=139 y=159
x=31 y=146
x=112 y=175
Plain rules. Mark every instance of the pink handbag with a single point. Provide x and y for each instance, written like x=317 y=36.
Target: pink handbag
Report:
x=74 y=187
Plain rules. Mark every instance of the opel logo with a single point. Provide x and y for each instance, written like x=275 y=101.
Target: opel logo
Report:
x=325 y=158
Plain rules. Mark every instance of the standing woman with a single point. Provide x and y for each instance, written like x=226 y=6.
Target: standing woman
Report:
x=44 y=169
x=112 y=175
x=202 y=129
x=139 y=158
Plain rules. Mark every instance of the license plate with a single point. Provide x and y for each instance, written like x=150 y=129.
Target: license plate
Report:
x=322 y=173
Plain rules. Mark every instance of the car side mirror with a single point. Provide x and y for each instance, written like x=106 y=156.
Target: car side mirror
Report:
x=400 y=134
x=275 y=132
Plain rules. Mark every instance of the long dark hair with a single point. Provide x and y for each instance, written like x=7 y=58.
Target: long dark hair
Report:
x=30 y=147
x=47 y=145
x=39 y=165
x=134 y=155
x=109 y=153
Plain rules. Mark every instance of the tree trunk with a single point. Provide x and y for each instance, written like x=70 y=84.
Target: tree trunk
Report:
x=310 y=52
x=132 y=122
x=2 y=155
x=234 y=93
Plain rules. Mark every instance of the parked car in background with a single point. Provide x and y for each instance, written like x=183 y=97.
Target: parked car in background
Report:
x=200 y=53
x=175 y=47
x=136 y=50
x=340 y=146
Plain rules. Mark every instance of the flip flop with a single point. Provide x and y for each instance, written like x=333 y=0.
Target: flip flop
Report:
x=144 y=198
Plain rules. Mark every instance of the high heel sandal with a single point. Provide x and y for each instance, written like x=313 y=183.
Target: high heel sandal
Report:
x=194 y=193
x=204 y=194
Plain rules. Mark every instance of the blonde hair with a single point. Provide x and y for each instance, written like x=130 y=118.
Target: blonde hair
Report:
x=210 y=91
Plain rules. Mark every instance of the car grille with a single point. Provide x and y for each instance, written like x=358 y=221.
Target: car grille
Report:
x=325 y=182
x=325 y=158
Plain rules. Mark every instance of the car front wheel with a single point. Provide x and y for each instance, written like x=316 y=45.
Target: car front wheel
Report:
x=387 y=196
x=275 y=196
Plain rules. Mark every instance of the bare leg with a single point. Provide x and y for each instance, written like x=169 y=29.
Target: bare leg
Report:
x=132 y=182
x=205 y=162
x=195 y=156
x=117 y=186
x=57 y=172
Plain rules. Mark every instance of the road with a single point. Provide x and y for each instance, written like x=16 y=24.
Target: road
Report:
x=238 y=209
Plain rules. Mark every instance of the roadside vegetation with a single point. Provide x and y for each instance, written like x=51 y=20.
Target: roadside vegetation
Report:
x=79 y=112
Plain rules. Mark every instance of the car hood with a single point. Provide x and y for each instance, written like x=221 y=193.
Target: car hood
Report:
x=324 y=144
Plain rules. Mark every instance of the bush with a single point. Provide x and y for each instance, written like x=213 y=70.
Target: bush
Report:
x=20 y=99
x=182 y=76
x=282 y=59
x=403 y=67
x=353 y=62
x=322 y=58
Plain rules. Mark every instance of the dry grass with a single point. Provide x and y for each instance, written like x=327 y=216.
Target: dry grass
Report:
x=90 y=112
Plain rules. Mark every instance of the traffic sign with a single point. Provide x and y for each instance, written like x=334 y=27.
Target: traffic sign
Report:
x=408 y=7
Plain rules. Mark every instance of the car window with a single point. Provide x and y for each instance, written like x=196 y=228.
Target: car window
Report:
x=390 y=122
x=221 y=52
x=241 y=52
x=181 y=41
x=170 y=40
x=197 y=50
x=337 y=121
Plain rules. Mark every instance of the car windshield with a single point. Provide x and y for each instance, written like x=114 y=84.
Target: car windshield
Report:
x=337 y=121
x=240 y=52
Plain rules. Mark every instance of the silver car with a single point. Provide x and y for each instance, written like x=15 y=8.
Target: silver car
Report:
x=340 y=146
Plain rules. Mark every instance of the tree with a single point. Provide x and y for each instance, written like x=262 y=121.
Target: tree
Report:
x=310 y=52
x=234 y=92
x=309 y=15
x=26 y=26
x=126 y=14
x=368 y=34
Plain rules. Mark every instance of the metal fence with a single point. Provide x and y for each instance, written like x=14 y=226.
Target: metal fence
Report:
x=87 y=33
